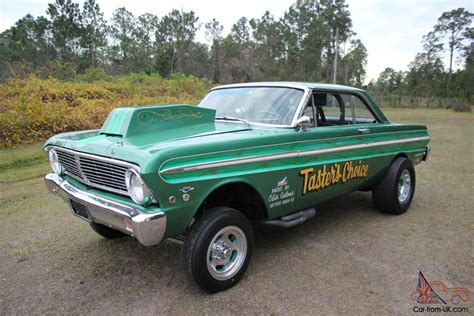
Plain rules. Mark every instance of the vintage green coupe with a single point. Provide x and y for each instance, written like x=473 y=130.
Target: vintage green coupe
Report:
x=262 y=153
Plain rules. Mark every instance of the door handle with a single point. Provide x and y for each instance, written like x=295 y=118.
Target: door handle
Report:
x=364 y=131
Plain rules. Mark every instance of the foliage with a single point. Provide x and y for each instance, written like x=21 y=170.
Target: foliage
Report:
x=33 y=109
x=454 y=24
x=427 y=82
x=430 y=102
x=302 y=45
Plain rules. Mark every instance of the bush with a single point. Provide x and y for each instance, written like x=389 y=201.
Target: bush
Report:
x=411 y=101
x=33 y=109
x=462 y=107
x=92 y=74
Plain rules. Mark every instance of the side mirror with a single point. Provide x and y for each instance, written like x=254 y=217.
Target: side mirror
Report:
x=303 y=122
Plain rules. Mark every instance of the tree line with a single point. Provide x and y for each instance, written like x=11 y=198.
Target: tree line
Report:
x=301 y=45
x=427 y=75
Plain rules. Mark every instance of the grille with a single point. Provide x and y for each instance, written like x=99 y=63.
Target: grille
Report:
x=69 y=163
x=103 y=173
x=95 y=172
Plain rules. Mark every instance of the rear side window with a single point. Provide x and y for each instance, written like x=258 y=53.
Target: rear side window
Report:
x=361 y=111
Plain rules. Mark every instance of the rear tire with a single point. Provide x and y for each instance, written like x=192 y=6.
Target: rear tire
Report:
x=106 y=232
x=218 y=248
x=394 y=193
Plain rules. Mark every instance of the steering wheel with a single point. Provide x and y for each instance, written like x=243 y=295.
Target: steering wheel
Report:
x=263 y=113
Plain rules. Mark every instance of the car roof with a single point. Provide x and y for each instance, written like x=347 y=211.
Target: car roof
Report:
x=292 y=84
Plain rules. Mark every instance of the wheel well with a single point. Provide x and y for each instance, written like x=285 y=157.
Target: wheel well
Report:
x=239 y=196
x=403 y=155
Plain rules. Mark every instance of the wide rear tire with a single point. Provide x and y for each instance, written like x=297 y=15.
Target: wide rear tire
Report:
x=394 y=193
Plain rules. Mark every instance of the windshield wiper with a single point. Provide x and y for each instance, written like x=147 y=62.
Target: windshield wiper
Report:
x=231 y=118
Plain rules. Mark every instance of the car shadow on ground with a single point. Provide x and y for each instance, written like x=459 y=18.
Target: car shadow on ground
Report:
x=88 y=274
x=162 y=265
x=329 y=215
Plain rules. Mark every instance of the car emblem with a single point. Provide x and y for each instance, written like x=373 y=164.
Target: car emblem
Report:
x=186 y=189
x=282 y=182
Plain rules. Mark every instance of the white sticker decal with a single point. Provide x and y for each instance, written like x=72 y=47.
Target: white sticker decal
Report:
x=281 y=194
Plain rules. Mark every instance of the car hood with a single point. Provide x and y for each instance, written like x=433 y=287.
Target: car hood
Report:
x=148 y=135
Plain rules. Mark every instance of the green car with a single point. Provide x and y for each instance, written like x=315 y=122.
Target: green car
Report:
x=255 y=153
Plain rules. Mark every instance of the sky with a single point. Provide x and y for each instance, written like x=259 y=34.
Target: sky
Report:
x=390 y=30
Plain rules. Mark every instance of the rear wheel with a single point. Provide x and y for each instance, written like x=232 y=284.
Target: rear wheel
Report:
x=106 y=232
x=217 y=250
x=394 y=193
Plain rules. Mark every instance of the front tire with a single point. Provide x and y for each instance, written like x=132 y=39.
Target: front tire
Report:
x=394 y=193
x=218 y=248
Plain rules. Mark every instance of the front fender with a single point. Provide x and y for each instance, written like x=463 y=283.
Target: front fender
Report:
x=180 y=214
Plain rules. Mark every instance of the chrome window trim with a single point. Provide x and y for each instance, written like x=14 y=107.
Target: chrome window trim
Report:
x=304 y=153
x=300 y=108
x=98 y=158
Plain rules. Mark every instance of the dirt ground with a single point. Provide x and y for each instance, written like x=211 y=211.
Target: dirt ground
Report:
x=349 y=259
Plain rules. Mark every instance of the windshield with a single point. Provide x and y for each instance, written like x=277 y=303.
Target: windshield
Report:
x=267 y=105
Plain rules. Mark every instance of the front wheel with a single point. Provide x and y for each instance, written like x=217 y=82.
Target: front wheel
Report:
x=394 y=193
x=217 y=250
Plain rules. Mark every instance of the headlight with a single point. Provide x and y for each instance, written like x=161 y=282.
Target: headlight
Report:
x=54 y=161
x=137 y=189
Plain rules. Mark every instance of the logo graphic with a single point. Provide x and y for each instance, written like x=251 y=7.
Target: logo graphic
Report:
x=314 y=180
x=281 y=194
x=436 y=292
x=282 y=182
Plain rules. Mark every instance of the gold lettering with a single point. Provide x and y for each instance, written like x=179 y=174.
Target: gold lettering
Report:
x=305 y=173
x=318 y=181
x=312 y=183
x=328 y=175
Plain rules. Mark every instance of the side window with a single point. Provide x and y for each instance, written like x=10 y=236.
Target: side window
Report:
x=328 y=109
x=338 y=109
x=362 y=113
x=332 y=109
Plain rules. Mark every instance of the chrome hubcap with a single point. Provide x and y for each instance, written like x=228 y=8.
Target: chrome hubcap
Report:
x=404 y=186
x=226 y=253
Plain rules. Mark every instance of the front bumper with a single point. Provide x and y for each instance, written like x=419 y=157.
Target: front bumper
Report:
x=148 y=229
x=426 y=154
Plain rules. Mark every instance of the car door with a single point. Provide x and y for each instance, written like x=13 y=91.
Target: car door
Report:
x=378 y=132
x=333 y=153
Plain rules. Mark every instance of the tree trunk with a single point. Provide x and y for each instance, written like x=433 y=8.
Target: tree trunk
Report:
x=450 y=64
x=215 y=48
x=346 y=73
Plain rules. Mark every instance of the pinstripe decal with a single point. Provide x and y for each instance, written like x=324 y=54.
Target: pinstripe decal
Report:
x=304 y=153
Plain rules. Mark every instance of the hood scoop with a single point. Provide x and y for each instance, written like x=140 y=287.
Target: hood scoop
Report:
x=128 y=122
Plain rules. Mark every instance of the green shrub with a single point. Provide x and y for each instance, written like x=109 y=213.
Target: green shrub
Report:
x=411 y=101
x=462 y=107
x=92 y=74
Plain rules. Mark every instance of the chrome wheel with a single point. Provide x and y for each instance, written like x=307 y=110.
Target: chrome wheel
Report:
x=226 y=253
x=404 y=186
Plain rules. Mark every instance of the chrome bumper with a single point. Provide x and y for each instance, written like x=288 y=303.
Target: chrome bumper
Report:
x=426 y=154
x=148 y=229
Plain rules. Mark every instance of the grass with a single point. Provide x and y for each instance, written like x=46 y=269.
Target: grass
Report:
x=18 y=164
x=349 y=253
